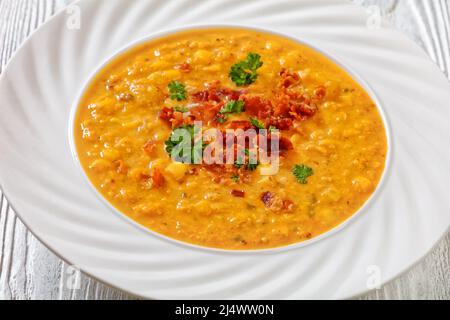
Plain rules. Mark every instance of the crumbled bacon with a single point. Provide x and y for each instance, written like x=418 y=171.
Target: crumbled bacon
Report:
x=284 y=144
x=206 y=112
x=291 y=101
x=238 y=193
x=220 y=172
x=275 y=203
x=166 y=114
x=320 y=92
x=279 y=122
x=149 y=147
x=257 y=106
x=183 y=67
x=288 y=205
x=272 y=201
x=201 y=96
x=179 y=120
x=266 y=197
x=305 y=110
x=193 y=171
x=217 y=94
x=241 y=124
x=174 y=118
x=288 y=78
x=157 y=178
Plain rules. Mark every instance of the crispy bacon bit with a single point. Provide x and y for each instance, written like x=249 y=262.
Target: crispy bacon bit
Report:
x=183 y=67
x=121 y=167
x=320 y=92
x=282 y=105
x=201 y=96
x=143 y=176
x=219 y=172
x=179 y=119
x=288 y=205
x=291 y=101
x=275 y=203
x=149 y=147
x=166 y=114
x=286 y=144
x=272 y=201
x=157 y=178
x=174 y=118
x=266 y=197
x=217 y=95
x=193 y=171
x=279 y=123
x=307 y=110
x=241 y=124
x=257 y=106
x=238 y=193
x=288 y=78
x=230 y=94
x=206 y=112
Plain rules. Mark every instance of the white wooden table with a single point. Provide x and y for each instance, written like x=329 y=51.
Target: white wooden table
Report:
x=28 y=270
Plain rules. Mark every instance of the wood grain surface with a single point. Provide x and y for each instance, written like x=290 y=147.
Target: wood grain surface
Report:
x=28 y=270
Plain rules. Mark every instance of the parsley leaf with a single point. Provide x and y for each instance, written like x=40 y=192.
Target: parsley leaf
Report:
x=241 y=162
x=177 y=91
x=258 y=124
x=235 y=178
x=252 y=166
x=244 y=73
x=222 y=119
x=233 y=107
x=302 y=173
x=272 y=129
x=181 y=109
x=195 y=151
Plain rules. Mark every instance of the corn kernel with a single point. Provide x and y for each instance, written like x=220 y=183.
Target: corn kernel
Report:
x=110 y=154
x=177 y=170
x=100 y=165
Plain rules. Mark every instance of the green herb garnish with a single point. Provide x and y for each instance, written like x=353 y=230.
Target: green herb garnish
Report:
x=181 y=109
x=258 y=124
x=233 y=107
x=252 y=166
x=177 y=91
x=235 y=178
x=222 y=119
x=244 y=73
x=272 y=128
x=240 y=163
x=302 y=173
x=178 y=143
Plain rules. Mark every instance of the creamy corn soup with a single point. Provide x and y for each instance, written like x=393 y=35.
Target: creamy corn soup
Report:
x=332 y=144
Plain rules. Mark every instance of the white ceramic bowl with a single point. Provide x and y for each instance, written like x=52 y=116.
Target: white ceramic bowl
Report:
x=165 y=33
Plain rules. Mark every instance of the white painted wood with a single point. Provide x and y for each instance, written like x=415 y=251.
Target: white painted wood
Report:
x=28 y=270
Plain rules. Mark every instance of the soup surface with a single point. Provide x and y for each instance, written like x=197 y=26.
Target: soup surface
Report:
x=332 y=141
